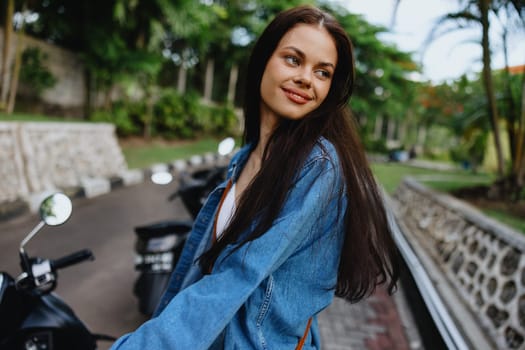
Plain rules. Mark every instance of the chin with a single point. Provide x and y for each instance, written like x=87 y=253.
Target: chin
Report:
x=293 y=115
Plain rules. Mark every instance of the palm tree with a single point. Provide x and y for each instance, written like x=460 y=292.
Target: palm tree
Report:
x=483 y=18
x=8 y=33
x=511 y=15
x=477 y=12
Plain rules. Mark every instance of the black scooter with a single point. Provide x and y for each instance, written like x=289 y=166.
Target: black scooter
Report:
x=31 y=316
x=159 y=245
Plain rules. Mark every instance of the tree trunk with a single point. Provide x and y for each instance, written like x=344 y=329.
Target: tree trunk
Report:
x=421 y=135
x=394 y=14
x=8 y=33
x=13 y=86
x=512 y=110
x=208 y=82
x=232 y=84
x=181 y=79
x=401 y=131
x=378 y=127
x=390 y=129
x=88 y=97
x=148 y=120
x=89 y=79
x=488 y=85
x=519 y=164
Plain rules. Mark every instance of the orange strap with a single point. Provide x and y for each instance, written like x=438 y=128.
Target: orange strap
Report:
x=303 y=339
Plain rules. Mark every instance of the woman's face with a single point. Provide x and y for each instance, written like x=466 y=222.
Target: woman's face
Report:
x=299 y=73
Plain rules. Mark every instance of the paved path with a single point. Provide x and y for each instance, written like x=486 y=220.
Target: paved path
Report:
x=381 y=322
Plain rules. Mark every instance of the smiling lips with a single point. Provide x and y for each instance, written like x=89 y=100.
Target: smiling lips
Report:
x=297 y=96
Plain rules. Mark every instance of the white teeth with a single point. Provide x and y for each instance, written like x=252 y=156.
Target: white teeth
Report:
x=301 y=97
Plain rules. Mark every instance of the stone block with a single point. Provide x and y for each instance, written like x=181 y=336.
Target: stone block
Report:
x=180 y=165
x=195 y=160
x=95 y=186
x=132 y=176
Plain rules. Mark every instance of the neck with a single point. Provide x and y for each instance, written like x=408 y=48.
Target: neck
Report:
x=268 y=123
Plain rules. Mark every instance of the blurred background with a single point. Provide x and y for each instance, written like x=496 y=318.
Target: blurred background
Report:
x=98 y=93
x=437 y=81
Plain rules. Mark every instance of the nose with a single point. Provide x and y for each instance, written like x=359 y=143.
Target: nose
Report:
x=303 y=79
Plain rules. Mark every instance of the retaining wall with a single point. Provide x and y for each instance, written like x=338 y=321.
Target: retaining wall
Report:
x=481 y=259
x=41 y=157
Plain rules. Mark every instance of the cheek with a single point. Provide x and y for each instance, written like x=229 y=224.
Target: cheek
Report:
x=323 y=92
x=270 y=72
x=265 y=87
x=269 y=81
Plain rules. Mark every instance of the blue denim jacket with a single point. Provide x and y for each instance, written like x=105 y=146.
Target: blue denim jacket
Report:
x=262 y=295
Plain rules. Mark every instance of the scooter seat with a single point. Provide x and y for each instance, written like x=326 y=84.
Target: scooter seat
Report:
x=158 y=229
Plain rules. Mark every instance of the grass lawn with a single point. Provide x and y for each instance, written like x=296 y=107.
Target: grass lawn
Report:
x=140 y=155
x=20 y=117
x=512 y=221
x=389 y=175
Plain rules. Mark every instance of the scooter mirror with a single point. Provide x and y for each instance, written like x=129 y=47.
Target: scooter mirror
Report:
x=56 y=209
x=226 y=146
x=161 y=178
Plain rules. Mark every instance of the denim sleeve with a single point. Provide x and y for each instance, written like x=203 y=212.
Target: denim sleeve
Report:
x=195 y=317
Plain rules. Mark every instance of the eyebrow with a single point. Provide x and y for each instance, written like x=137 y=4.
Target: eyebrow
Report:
x=302 y=55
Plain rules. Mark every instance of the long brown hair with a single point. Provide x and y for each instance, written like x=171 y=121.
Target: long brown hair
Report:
x=368 y=254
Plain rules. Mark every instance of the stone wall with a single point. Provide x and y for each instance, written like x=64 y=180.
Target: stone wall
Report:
x=482 y=259
x=39 y=157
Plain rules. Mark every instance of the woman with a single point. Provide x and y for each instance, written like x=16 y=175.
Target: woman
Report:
x=300 y=218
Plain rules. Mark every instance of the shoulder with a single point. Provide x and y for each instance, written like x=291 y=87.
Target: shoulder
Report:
x=240 y=154
x=322 y=162
x=323 y=153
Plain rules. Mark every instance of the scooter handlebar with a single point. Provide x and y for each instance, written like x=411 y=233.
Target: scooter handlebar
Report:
x=71 y=259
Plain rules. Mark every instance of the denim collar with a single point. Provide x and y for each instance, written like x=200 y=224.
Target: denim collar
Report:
x=239 y=161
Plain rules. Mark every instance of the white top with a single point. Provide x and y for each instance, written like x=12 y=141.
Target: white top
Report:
x=226 y=212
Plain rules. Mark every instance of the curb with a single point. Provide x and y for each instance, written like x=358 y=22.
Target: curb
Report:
x=91 y=187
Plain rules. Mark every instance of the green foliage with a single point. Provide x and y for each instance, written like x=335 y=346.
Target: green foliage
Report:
x=111 y=61
x=375 y=145
x=455 y=116
x=175 y=116
x=185 y=116
x=125 y=117
x=470 y=152
x=224 y=120
x=171 y=115
x=33 y=71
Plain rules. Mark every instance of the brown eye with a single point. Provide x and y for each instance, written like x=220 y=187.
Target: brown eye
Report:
x=294 y=61
x=324 y=74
